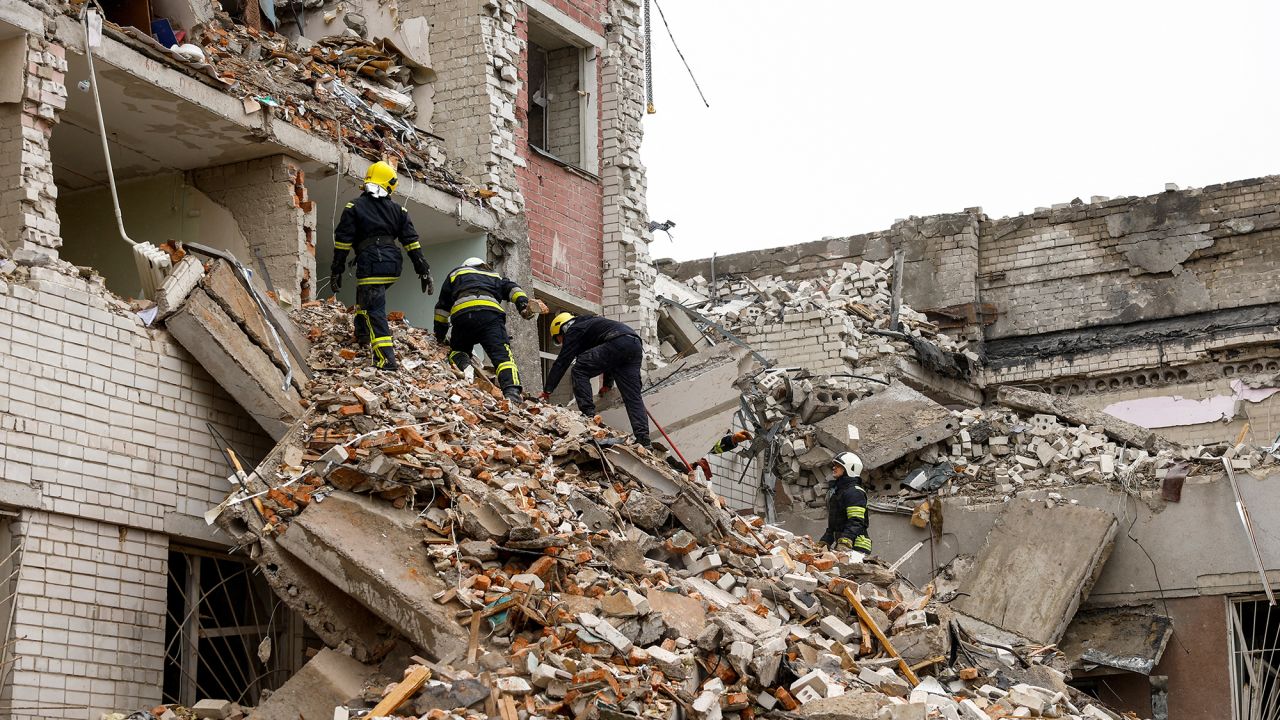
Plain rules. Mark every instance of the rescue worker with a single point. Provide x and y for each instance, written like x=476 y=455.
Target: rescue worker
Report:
x=847 y=520
x=471 y=303
x=729 y=442
x=371 y=225
x=599 y=346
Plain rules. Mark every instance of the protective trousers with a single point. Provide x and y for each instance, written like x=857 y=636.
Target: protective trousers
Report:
x=371 y=324
x=621 y=357
x=489 y=329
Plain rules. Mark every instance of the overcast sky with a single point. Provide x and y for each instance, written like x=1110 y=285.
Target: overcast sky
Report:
x=832 y=118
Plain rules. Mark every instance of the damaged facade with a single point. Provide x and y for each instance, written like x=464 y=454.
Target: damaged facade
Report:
x=1118 y=355
x=1082 y=376
x=241 y=129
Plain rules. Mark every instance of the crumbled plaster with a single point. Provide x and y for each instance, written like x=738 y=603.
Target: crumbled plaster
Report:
x=1166 y=253
x=1177 y=411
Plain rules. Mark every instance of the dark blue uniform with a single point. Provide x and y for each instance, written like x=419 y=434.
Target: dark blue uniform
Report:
x=372 y=226
x=847 y=520
x=603 y=347
x=471 y=302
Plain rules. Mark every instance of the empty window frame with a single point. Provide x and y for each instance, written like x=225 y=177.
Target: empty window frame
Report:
x=1255 y=658
x=227 y=635
x=562 y=111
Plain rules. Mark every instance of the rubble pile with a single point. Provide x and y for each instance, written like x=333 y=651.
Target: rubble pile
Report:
x=858 y=294
x=351 y=90
x=985 y=453
x=995 y=453
x=589 y=579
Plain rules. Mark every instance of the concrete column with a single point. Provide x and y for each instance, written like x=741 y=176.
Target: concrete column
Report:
x=28 y=212
x=270 y=204
x=628 y=270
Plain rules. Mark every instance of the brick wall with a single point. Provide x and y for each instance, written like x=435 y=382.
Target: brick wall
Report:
x=28 y=196
x=102 y=421
x=564 y=207
x=269 y=201
x=628 y=273
x=808 y=340
x=940 y=258
x=564 y=120
x=475 y=54
x=1132 y=259
x=90 y=620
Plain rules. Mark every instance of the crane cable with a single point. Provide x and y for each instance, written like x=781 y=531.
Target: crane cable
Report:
x=648 y=60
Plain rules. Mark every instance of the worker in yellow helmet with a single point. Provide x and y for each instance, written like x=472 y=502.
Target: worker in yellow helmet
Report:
x=600 y=346
x=372 y=225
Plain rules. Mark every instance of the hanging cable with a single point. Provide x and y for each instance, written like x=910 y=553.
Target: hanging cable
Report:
x=89 y=44
x=677 y=47
x=153 y=264
x=648 y=58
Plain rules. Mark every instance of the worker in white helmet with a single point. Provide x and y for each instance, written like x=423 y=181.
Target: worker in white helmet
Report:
x=847 y=520
x=470 y=311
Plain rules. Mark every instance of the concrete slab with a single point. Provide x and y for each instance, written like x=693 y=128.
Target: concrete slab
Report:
x=331 y=614
x=696 y=402
x=1125 y=638
x=677 y=324
x=222 y=285
x=890 y=424
x=374 y=553
x=242 y=369
x=1037 y=566
x=681 y=612
x=1078 y=414
x=327 y=680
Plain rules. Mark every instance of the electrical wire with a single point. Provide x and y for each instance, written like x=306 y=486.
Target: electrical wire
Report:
x=681 y=54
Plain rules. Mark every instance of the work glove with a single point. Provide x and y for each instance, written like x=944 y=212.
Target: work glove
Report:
x=526 y=311
x=604 y=390
x=428 y=285
x=335 y=282
x=741 y=435
x=544 y=396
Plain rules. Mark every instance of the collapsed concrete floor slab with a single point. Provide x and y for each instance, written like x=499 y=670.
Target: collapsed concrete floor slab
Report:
x=887 y=425
x=373 y=552
x=222 y=327
x=327 y=680
x=696 y=400
x=1038 y=564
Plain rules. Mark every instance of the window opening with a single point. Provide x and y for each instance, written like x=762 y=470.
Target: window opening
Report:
x=226 y=633
x=1255 y=659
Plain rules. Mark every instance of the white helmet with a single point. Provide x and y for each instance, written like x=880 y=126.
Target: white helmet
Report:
x=472 y=262
x=851 y=463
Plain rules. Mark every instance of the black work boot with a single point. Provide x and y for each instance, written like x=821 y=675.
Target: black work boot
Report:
x=512 y=393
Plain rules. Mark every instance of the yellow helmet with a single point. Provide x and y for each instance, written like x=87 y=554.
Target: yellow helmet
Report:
x=557 y=324
x=382 y=175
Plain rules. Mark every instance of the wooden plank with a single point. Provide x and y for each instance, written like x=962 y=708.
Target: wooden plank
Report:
x=473 y=644
x=508 y=708
x=402 y=692
x=884 y=641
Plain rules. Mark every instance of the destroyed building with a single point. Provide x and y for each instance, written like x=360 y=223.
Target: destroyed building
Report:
x=1118 y=354
x=242 y=128
x=205 y=497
